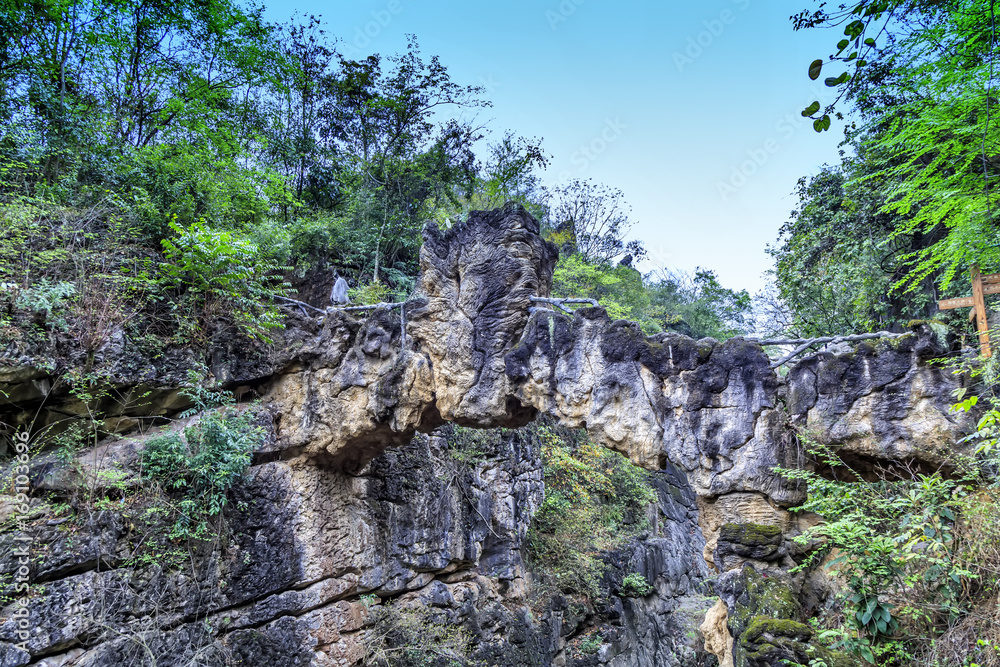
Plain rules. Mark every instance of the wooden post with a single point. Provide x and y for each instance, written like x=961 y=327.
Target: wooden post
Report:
x=981 y=285
x=979 y=305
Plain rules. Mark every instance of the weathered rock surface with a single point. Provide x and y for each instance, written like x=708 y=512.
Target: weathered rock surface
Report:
x=329 y=514
x=310 y=554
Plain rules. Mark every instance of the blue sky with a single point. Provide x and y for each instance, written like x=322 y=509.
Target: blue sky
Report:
x=690 y=108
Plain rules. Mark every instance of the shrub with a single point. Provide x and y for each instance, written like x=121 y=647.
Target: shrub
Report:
x=223 y=276
x=202 y=462
x=917 y=555
x=472 y=445
x=595 y=500
x=635 y=586
x=181 y=181
x=412 y=637
x=49 y=300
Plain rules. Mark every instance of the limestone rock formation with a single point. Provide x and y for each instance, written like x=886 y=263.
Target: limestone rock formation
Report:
x=344 y=502
x=311 y=555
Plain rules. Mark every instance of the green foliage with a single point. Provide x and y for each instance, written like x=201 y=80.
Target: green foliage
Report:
x=595 y=500
x=108 y=75
x=202 y=463
x=920 y=80
x=220 y=272
x=903 y=549
x=634 y=585
x=373 y=293
x=185 y=183
x=507 y=174
x=204 y=114
x=590 y=644
x=987 y=431
x=833 y=266
x=619 y=289
x=696 y=306
x=472 y=445
x=48 y=299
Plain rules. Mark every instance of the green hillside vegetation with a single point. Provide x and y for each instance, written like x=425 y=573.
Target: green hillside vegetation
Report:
x=188 y=162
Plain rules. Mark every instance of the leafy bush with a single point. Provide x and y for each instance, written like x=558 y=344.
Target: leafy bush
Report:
x=618 y=288
x=695 y=306
x=372 y=293
x=912 y=553
x=635 y=586
x=223 y=276
x=590 y=644
x=472 y=445
x=202 y=462
x=48 y=299
x=595 y=500
x=186 y=183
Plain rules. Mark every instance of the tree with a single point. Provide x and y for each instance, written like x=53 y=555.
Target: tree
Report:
x=921 y=79
x=592 y=219
x=619 y=289
x=696 y=305
x=508 y=174
x=836 y=259
x=92 y=81
x=300 y=138
x=175 y=67
x=400 y=153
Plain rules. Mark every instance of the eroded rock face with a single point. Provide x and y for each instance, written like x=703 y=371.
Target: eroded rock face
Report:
x=879 y=404
x=706 y=407
x=311 y=555
x=344 y=502
x=472 y=350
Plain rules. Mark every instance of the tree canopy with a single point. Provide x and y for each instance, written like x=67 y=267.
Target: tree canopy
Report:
x=912 y=207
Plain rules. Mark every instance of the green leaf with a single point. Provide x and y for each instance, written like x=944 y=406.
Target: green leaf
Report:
x=815 y=68
x=866 y=618
x=842 y=44
x=854 y=28
x=832 y=81
x=869 y=41
x=811 y=109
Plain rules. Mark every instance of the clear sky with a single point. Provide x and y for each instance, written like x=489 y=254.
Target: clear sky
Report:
x=690 y=108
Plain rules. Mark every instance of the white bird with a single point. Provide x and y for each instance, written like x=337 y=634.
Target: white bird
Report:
x=338 y=295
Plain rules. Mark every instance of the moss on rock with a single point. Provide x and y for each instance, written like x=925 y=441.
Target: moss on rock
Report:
x=750 y=534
